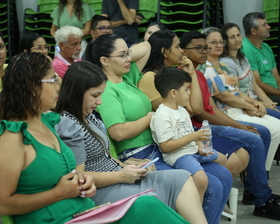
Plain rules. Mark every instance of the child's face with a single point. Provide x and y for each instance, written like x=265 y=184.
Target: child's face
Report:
x=182 y=96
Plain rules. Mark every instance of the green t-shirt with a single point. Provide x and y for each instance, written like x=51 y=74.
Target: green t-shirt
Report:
x=124 y=102
x=64 y=19
x=261 y=60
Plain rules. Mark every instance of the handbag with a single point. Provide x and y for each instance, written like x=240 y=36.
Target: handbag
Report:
x=111 y=212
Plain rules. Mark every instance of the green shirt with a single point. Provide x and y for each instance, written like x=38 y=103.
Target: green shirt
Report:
x=124 y=102
x=261 y=60
x=65 y=19
x=43 y=173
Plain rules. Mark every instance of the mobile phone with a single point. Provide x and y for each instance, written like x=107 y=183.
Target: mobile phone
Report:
x=91 y=209
x=150 y=163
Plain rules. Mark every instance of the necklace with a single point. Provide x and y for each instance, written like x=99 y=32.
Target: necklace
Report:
x=52 y=143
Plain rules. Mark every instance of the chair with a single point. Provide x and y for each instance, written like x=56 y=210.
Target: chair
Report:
x=7 y=219
x=270 y=5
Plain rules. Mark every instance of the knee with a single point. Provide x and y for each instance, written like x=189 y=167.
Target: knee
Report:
x=201 y=180
x=234 y=165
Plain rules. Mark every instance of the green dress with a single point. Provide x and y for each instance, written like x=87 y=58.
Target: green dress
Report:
x=49 y=166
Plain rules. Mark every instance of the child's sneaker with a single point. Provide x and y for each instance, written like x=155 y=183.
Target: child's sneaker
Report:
x=271 y=210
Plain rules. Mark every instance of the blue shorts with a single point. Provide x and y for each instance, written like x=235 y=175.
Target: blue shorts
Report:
x=192 y=162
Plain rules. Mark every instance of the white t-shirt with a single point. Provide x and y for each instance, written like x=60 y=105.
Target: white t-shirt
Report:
x=166 y=124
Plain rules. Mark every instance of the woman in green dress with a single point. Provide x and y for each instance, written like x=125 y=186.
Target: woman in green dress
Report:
x=39 y=183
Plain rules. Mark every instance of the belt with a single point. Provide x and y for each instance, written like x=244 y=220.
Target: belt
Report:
x=133 y=152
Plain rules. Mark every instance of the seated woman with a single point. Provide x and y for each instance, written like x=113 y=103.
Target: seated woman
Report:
x=41 y=185
x=83 y=133
x=126 y=112
x=238 y=65
x=151 y=28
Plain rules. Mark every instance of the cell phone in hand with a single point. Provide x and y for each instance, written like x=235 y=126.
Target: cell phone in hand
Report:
x=150 y=163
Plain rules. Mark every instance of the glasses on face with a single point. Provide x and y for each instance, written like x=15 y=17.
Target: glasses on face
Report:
x=42 y=48
x=104 y=28
x=123 y=56
x=200 y=49
x=215 y=43
x=2 y=47
x=53 y=80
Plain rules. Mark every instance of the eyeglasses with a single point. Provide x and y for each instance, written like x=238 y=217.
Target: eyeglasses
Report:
x=42 y=48
x=215 y=43
x=104 y=28
x=200 y=49
x=123 y=56
x=53 y=80
x=2 y=47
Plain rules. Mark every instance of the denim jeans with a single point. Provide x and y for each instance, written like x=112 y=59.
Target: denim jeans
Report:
x=219 y=182
x=273 y=113
x=257 y=147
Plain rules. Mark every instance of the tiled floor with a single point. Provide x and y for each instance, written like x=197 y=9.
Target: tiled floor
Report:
x=245 y=212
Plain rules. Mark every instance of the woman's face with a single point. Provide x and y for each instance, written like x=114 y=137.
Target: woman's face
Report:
x=92 y=98
x=2 y=53
x=118 y=63
x=150 y=31
x=49 y=92
x=40 y=46
x=234 y=41
x=215 y=41
x=173 y=55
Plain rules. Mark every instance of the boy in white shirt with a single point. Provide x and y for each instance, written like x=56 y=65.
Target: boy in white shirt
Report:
x=172 y=129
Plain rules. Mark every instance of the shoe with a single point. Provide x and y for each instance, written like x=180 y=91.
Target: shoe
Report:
x=248 y=198
x=227 y=212
x=270 y=210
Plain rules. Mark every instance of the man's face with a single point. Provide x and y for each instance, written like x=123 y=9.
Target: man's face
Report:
x=103 y=27
x=198 y=53
x=71 y=49
x=262 y=32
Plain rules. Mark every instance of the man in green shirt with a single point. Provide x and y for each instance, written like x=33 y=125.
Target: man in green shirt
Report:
x=260 y=55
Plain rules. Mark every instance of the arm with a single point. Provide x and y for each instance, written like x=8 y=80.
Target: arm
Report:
x=260 y=93
x=129 y=15
x=195 y=105
x=53 y=29
x=127 y=130
x=172 y=145
x=275 y=73
x=13 y=149
x=269 y=90
x=140 y=54
x=116 y=23
x=87 y=27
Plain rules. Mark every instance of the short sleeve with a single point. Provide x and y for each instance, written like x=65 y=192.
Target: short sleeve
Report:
x=88 y=12
x=161 y=128
x=15 y=127
x=72 y=135
x=214 y=82
x=230 y=65
x=133 y=4
x=147 y=86
x=55 y=16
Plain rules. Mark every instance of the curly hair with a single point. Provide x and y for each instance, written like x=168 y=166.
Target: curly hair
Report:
x=77 y=8
x=22 y=86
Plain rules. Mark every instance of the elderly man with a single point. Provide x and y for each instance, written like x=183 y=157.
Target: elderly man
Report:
x=260 y=55
x=69 y=40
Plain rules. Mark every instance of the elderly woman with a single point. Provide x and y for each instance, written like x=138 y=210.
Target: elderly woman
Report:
x=45 y=187
x=126 y=112
x=224 y=89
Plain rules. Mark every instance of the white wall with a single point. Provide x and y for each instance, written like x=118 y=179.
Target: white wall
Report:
x=235 y=10
x=21 y=6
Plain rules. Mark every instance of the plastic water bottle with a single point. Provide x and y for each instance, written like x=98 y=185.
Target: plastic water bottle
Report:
x=207 y=145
